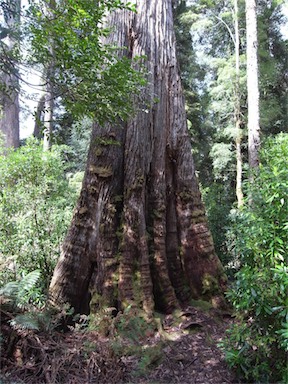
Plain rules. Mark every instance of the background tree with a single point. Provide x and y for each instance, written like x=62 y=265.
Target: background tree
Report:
x=139 y=233
x=273 y=72
x=49 y=71
x=252 y=84
x=9 y=76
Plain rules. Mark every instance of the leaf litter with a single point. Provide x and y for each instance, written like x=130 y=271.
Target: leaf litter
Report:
x=181 y=349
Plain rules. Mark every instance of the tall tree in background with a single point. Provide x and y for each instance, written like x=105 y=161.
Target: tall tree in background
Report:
x=237 y=108
x=252 y=84
x=139 y=233
x=217 y=26
x=49 y=75
x=9 y=76
x=273 y=70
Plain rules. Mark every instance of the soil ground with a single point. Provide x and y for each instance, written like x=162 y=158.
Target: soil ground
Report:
x=180 y=349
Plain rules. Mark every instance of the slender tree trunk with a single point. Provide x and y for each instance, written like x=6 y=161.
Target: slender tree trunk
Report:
x=252 y=84
x=48 y=111
x=39 y=118
x=237 y=107
x=139 y=234
x=9 y=101
x=239 y=192
x=49 y=92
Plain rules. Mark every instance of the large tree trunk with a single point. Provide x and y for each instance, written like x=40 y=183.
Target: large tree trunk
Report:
x=9 y=99
x=139 y=232
x=252 y=84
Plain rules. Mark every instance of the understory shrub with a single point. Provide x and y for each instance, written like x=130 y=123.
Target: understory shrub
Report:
x=36 y=204
x=218 y=202
x=257 y=344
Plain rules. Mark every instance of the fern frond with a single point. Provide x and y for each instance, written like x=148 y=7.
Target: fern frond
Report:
x=28 y=282
x=26 y=321
x=18 y=291
x=10 y=290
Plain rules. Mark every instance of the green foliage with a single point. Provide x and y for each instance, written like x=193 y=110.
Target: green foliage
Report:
x=133 y=325
x=36 y=205
x=272 y=67
x=194 y=89
x=257 y=346
x=149 y=358
x=132 y=328
x=26 y=320
x=222 y=156
x=22 y=299
x=19 y=292
x=218 y=199
x=91 y=77
x=76 y=136
x=127 y=333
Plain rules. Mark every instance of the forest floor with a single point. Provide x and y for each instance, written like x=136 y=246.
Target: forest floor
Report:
x=179 y=349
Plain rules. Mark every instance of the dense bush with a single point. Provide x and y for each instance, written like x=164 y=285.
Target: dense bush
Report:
x=258 y=343
x=218 y=201
x=36 y=204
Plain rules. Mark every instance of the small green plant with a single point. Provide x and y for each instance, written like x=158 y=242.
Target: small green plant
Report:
x=150 y=356
x=18 y=293
x=257 y=345
x=27 y=310
x=132 y=328
x=102 y=322
x=133 y=325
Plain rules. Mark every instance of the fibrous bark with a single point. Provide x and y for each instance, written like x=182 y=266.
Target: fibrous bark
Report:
x=139 y=232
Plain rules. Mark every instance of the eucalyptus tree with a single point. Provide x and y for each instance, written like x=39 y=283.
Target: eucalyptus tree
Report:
x=217 y=30
x=267 y=67
x=273 y=70
x=9 y=76
x=237 y=108
x=139 y=234
x=49 y=73
x=252 y=84
x=266 y=73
